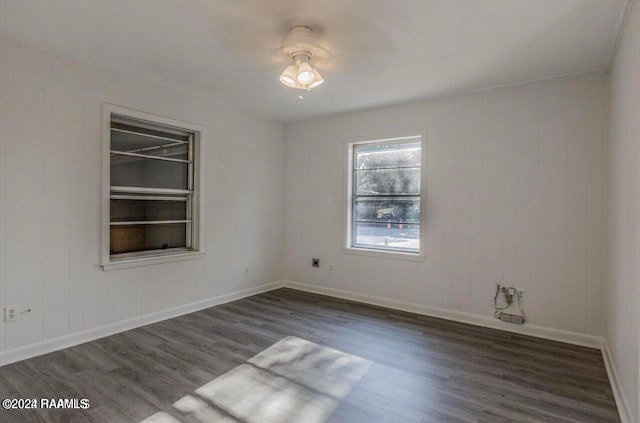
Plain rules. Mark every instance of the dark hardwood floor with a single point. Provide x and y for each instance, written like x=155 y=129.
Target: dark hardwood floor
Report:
x=423 y=369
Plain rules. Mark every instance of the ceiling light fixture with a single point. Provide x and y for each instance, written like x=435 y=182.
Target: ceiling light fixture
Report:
x=300 y=46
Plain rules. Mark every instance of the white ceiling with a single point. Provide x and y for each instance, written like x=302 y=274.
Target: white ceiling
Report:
x=384 y=51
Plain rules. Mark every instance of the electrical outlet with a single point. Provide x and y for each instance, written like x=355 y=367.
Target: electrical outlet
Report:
x=331 y=268
x=246 y=270
x=315 y=262
x=11 y=313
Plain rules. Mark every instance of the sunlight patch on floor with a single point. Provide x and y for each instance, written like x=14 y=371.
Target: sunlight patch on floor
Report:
x=161 y=417
x=292 y=381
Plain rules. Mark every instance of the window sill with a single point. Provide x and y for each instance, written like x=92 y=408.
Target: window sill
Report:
x=147 y=261
x=393 y=255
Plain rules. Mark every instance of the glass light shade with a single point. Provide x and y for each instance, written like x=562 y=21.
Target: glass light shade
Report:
x=317 y=80
x=288 y=76
x=305 y=73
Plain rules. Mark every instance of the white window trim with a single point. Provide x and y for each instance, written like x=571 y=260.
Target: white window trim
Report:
x=348 y=191
x=198 y=175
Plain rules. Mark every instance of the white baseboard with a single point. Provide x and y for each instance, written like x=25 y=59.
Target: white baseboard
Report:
x=488 y=322
x=457 y=316
x=621 y=401
x=66 y=341
x=11 y=356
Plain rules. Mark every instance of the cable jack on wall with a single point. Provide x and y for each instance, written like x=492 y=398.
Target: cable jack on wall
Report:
x=506 y=304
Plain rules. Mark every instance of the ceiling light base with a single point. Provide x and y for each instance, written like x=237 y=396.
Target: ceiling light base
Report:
x=301 y=39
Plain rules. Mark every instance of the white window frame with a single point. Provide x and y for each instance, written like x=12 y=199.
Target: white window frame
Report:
x=347 y=247
x=143 y=259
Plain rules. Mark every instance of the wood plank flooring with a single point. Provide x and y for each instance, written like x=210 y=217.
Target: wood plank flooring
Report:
x=424 y=369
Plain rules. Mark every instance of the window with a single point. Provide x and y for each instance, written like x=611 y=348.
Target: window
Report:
x=151 y=184
x=385 y=190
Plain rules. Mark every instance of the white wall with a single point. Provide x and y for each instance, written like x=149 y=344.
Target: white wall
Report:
x=515 y=186
x=622 y=282
x=50 y=191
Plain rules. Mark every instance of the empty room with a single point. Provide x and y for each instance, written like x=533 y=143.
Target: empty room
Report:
x=336 y=211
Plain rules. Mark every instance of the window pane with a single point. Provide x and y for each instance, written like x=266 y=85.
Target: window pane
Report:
x=149 y=173
x=140 y=144
x=145 y=210
x=391 y=209
x=134 y=135
x=385 y=155
x=170 y=150
x=132 y=238
x=387 y=181
x=386 y=189
x=387 y=236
